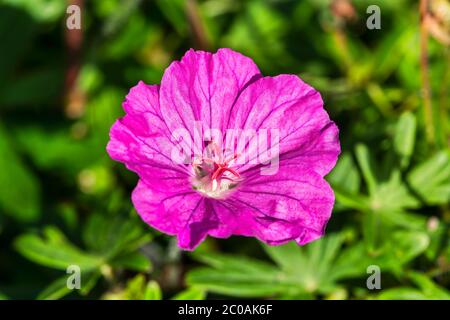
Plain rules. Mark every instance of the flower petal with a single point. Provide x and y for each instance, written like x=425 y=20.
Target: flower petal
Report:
x=141 y=138
x=286 y=103
x=294 y=204
x=204 y=87
x=175 y=210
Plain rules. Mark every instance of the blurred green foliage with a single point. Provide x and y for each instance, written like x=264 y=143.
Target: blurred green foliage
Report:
x=64 y=202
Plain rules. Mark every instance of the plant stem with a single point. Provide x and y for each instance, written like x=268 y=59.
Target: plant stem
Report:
x=198 y=31
x=426 y=90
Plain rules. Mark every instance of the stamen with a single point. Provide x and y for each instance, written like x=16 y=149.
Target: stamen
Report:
x=213 y=176
x=214 y=185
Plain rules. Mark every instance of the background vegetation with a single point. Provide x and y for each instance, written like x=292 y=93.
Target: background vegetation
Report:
x=63 y=201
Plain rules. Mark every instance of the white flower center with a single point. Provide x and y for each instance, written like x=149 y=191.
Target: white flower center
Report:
x=213 y=176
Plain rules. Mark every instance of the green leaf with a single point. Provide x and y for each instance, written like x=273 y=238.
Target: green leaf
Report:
x=89 y=280
x=399 y=249
x=321 y=255
x=301 y=270
x=133 y=261
x=20 y=196
x=259 y=31
x=41 y=10
x=57 y=150
x=363 y=158
x=113 y=236
x=192 y=293
x=428 y=290
x=399 y=40
x=428 y=287
x=54 y=251
x=152 y=291
x=238 y=276
x=407 y=245
x=138 y=289
x=103 y=111
x=354 y=201
x=288 y=257
x=238 y=284
x=352 y=262
x=135 y=288
x=56 y=290
x=431 y=179
x=345 y=175
x=237 y=263
x=128 y=40
x=404 y=138
x=403 y=219
x=393 y=195
x=401 y=293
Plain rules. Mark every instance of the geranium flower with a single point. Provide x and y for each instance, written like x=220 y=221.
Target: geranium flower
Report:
x=218 y=191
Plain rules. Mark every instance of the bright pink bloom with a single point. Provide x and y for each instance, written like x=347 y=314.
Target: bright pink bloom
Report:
x=217 y=195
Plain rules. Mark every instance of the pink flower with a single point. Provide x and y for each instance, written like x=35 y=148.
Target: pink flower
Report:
x=216 y=191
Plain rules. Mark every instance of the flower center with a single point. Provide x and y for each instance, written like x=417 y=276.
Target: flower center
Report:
x=213 y=175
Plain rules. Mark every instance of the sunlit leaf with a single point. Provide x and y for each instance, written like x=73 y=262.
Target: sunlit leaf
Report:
x=192 y=293
x=152 y=291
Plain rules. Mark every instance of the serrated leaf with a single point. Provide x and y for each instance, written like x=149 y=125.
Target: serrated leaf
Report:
x=113 y=236
x=393 y=195
x=55 y=252
x=300 y=270
x=288 y=257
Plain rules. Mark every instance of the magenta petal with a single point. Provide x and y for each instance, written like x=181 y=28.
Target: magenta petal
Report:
x=175 y=211
x=306 y=133
x=203 y=87
x=294 y=204
x=141 y=138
